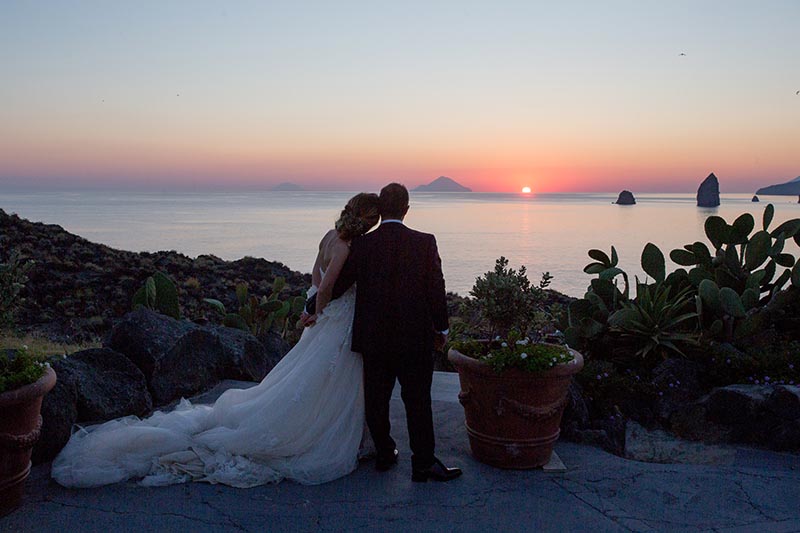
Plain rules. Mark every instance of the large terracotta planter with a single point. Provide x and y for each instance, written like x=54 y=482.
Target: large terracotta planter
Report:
x=513 y=418
x=20 y=426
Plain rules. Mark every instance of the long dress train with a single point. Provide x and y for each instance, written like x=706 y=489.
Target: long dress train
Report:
x=303 y=422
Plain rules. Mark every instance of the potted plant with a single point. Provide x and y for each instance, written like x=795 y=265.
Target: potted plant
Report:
x=513 y=388
x=23 y=383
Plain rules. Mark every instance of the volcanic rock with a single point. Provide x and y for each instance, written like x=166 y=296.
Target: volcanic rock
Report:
x=92 y=386
x=708 y=192
x=179 y=358
x=626 y=198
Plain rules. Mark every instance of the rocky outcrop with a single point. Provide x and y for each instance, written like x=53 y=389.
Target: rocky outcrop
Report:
x=179 y=358
x=679 y=383
x=79 y=289
x=659 y=446
x=625 y=198
x=766 y=415
x=59 y=413
x=708 y=192
x=790 y=188
x=92 y=386
x=152 y=360
x=755 y=199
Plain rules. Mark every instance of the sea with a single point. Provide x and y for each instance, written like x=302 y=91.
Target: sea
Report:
x=544 y=232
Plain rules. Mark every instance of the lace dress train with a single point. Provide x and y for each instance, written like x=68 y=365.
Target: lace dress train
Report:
x=304 y=421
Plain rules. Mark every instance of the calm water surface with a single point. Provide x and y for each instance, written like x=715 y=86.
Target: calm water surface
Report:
x=549 y=232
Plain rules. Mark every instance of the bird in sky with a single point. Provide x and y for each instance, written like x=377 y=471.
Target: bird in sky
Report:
x=798 y=92
x=681 y=54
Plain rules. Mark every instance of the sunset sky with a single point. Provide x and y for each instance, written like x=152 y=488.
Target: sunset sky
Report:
x=558 y=96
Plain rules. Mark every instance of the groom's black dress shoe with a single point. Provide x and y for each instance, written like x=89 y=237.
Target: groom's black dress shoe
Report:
x=385 y=462
x=437 y=472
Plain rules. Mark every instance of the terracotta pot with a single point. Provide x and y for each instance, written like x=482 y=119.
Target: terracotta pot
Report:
x=20 y=426
x=513 y=418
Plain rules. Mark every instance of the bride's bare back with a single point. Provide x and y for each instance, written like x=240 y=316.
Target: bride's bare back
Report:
x=333 y=252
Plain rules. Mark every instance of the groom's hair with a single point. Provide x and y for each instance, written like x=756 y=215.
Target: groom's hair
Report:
x=394 y=201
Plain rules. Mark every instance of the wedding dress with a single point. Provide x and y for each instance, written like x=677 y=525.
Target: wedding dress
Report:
x=303 y=422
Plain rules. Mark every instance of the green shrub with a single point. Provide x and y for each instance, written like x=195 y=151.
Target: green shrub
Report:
x=739 y=273
x=19 y=369
x=506 y=299
x=160 y=294
x=260 y=315
x=656 y=320
x=515 y=351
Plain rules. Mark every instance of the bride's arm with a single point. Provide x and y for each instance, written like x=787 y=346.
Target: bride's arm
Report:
x=316 y=272
x=325 y=292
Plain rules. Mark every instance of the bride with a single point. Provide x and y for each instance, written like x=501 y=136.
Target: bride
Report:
x=303 y=422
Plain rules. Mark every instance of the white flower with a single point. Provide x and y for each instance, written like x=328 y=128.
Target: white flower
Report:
x=24 y=346
x=504 y=345
x=523 y=342
x=523 y=355
x=497 y=338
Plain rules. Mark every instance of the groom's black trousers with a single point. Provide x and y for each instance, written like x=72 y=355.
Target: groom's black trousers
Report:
x=414 y=371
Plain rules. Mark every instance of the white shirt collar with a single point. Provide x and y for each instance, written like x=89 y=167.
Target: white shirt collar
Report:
x=391 y=220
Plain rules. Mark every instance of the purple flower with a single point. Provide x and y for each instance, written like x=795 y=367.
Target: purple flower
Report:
x=791 y=366
x=728 y=361
x=677 y=382
x=660 y=393
x=766 y=378
x=599 y=376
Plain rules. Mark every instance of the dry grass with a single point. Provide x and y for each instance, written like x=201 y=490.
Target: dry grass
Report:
x=40 y=347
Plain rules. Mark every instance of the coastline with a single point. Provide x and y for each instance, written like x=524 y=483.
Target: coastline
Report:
x=78 y=289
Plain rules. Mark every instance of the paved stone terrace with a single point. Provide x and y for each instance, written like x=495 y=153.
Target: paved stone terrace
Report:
x=758 y=492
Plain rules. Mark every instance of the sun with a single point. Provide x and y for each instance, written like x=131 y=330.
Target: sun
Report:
x=526 y=190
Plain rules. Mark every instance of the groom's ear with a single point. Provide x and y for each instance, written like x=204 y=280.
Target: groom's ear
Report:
x=405 y=211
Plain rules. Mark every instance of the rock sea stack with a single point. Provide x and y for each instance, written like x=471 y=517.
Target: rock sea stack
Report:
x=625 y=198
x=708 y=192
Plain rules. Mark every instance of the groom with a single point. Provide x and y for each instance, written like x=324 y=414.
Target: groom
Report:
x=400 y=316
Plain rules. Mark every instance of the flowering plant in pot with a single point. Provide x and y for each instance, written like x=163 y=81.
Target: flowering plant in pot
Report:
x=23 y=383
x=513 y=387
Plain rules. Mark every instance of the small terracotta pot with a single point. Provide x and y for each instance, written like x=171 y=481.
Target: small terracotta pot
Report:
x=513 y=418
x=20 y=427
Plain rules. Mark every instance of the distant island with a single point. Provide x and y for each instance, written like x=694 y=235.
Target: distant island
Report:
x=288 y=187
x=442 y=184
x=790 y=188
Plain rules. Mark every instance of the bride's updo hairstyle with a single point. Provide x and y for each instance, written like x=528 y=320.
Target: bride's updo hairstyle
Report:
x=358 y=216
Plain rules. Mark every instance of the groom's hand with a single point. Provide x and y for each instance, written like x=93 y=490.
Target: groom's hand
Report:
x=439 y=341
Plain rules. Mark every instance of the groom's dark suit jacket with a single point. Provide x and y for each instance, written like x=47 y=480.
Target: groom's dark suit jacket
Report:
x=400 y=294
